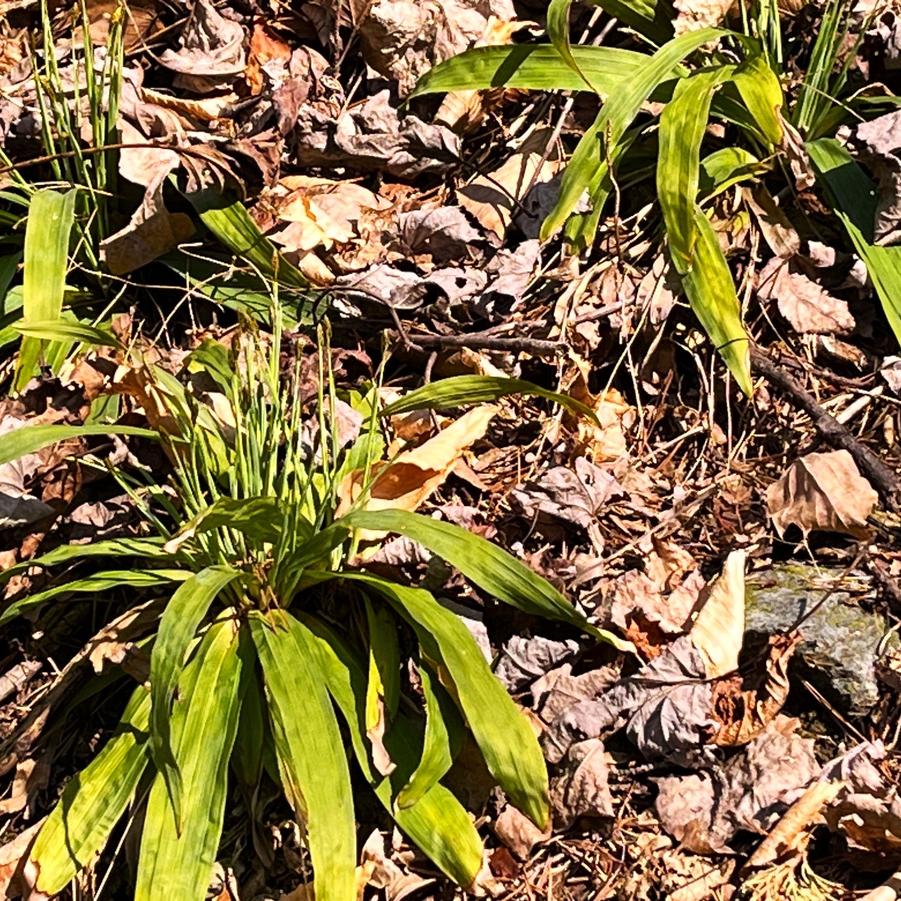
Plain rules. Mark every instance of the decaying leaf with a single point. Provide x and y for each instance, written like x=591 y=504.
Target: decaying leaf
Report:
x=808 y=307
x=822 y=492
x=407 y=481
x=580 y=788
x=692 y=15
x=518 y=832
x=748 y=793
x=719 y=627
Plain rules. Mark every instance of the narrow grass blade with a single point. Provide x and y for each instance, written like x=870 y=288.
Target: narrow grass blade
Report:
x=104 y=581
x=533 y=67
x=67 y=330
x=711 y=293
x=438 y=750
x=311 y=758
x=93 y=801
x=178 y=866
x=437 y=823
x=490 y=567
x=230 y=222
x=31 y=438
x=762 y=95
x=503 y=733
x=463 y=390
x=558 y=32
x=589 y=164
x=110 y=547
x=383 y=687
x=50 y=219
x=853 y=199
x=682 y=126
x=178 y=625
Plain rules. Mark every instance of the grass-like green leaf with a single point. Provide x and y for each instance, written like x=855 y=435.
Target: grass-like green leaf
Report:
x=311 y=758
x=31 y=438
x=67 y=330
x=178 y=865
x=488 y=566
x=437 y=745
x=853 y=199
x=503 y=733
x=230 y=222
x=761 y=93
x=178 y=625
x=533 y=67
x=589 y=166
x=93 y=801
x=711 y=293
x=108 y=547
x=103 y=581
x=261 y=518
x=437 y=823
x=463 y=390
x=682 y=126
x=50 y=219
x=726 y=167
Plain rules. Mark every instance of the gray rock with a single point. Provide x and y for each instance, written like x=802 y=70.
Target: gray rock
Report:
x=841 y=640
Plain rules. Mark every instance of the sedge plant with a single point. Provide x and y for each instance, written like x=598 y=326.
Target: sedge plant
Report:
x=274 y=647
x=735 y=80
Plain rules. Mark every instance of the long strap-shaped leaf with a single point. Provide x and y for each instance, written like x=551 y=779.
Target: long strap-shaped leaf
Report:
x=311 y=758
x=503 y=733
x=437 y=823
x=533 y=68
x=50 y=218
x=31 y=438
x=853 y=199
x=93 y=801
x=178 y=866
x=682 y=126
x=103 y=581
x=588 y=166
x=489 y=566
x=178 y=625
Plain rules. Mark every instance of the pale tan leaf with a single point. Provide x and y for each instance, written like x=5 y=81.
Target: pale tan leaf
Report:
x=719 y=627
x=807 y=306
x=408 y=481
x=693 y=15
x=822 y=492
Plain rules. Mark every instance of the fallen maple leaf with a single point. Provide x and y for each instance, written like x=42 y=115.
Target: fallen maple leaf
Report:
x=822 y=492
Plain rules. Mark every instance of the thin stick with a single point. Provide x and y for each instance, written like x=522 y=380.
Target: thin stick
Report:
x=883 y=478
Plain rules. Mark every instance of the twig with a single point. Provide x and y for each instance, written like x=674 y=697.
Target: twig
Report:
x=480 y=341
x=883 y=478
x=18 y=677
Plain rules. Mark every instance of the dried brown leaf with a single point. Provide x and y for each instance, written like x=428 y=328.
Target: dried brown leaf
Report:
x=808 y=307
x=822 y=492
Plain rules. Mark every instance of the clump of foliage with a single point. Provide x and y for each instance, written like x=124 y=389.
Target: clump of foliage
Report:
x=272 y=644
x=736 y=79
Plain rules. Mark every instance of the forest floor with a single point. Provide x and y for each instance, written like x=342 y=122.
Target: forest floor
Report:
x=745 y=542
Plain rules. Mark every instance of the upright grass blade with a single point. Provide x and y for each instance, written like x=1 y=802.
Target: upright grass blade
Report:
x=178 y=625
x=533 y=67
x=437 y=823
x=178 y=865
x=711 y=293
x=682 y=126
x=853 y=199
x=31 y=438
x=99 y=582
x=311 y=758
x=93 y=801
x=463 y=390
x=50 y=219
x=503 y=733
x=490 y=567
x=589 y=166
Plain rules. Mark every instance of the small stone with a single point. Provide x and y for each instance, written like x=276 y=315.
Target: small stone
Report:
x=841 y=640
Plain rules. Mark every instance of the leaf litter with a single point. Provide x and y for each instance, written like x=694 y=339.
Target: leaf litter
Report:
x=709 y=762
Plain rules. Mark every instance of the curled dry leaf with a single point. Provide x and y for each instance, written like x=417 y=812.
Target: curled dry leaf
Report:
x=822 y=492
x=581 y=787
x=719 y=627
x=518 y=832
x=406 y=482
